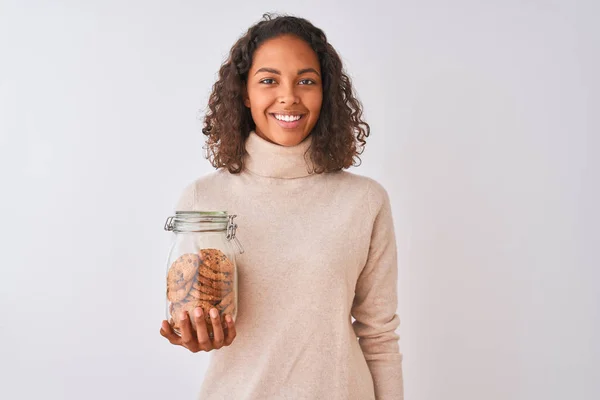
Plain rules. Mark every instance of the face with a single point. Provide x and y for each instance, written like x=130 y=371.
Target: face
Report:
x=284 y=90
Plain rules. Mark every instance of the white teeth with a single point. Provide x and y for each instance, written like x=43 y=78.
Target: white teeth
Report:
x=288 y=118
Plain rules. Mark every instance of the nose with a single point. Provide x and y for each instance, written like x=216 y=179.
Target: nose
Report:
x=288 y=94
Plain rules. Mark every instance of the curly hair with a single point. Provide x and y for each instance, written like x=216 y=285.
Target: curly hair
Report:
x=338 y=137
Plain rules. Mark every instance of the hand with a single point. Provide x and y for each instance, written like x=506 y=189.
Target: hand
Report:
x=198 y=339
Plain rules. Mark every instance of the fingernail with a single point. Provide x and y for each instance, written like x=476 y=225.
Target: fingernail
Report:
x=182 y=316
x=198 y=312
x=228 y=318
x=214 y=313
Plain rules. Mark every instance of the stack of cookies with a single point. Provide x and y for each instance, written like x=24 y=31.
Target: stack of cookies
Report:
x=203 y=279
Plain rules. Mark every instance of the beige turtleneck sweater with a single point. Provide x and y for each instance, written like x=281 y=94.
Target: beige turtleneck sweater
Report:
x=320 y=251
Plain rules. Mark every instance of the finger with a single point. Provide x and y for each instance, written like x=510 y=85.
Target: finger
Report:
x=167 y=332
x=187 y=336
x=231 y=333
x=203 y=340
x=215 y=319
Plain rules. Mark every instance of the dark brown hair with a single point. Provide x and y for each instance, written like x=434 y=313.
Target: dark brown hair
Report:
x=338 y=137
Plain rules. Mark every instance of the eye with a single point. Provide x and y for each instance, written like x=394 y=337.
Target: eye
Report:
x=310 y=82
x=267 y=79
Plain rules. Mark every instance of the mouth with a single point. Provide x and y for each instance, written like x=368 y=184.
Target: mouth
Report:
x=293 y=121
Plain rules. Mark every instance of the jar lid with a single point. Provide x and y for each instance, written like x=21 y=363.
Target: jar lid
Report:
x=196 y=217
x=202 y=221
x=200 y=214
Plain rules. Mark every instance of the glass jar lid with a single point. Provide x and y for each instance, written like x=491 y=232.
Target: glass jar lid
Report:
x=204 y=221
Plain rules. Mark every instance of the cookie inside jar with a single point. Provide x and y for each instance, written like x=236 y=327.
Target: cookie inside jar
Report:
x=204 y=279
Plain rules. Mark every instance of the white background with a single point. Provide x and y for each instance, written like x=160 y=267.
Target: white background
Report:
x=485 y=128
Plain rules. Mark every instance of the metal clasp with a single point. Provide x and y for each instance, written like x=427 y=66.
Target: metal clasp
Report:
x=231 y=228
x=169 y=224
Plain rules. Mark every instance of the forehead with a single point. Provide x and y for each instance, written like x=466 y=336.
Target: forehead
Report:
x=285 y=52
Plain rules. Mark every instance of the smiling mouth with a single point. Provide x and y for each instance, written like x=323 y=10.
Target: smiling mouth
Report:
x=288 y=124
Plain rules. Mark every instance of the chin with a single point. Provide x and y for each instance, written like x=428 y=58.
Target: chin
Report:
x=287 y=140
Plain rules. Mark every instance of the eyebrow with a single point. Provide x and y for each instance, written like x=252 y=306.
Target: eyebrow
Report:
x=277 y=72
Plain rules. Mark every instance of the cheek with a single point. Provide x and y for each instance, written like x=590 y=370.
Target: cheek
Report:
x=259 y=102
x=314 y=103
x=258 y=111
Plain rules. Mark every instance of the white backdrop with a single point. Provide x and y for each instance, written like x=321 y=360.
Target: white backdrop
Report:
x=485 y=130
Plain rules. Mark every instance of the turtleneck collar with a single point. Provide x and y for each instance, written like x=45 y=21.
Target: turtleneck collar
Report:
x=272 y=160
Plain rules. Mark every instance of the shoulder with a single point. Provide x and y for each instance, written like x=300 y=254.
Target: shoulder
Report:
x=201 y=185
x=375 y=194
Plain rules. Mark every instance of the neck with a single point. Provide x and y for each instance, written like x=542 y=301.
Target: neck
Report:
x=272 y=160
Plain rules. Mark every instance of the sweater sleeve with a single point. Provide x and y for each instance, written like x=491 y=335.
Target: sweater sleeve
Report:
x=376 y=301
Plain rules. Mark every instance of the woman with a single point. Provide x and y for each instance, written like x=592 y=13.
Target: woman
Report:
x=282 y=126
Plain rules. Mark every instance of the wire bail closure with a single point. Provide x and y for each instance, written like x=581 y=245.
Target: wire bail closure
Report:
x=169 y=224
x=231 y=229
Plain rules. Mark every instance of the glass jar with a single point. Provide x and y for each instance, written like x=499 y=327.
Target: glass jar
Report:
x=201 y=267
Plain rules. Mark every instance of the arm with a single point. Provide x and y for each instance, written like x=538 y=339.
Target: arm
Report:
x=376 y=301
